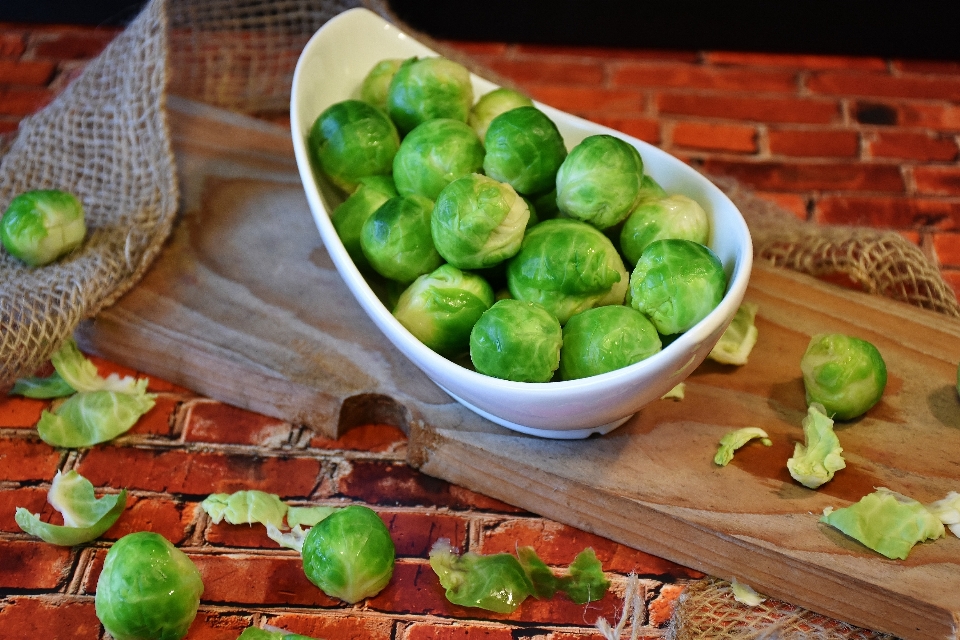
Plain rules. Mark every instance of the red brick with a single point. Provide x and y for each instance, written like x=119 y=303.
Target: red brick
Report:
x=938 y=181
x=715 y=137
x=784 y=176
x=160 y=515
x=822 y=143
x=646 y=129
x=375 y=438
x=794 y=61
x=478 y=48
x=414 y=533
x=952 y=278
x=947 y=248
x=33 y=499
x=399 y=485
x=23 y=101
x=888 y=212
x=795 y=204
x=554 y=51
x=60 y=617
x=159 y=420
x=242 y=536
x=690 y=76
x=72 y=45
x=12 y=44
x=662 y=606
x=7 y=125
x=840 y=83
x=217 y=625
x=936 y=115
x=913 y=237
x=258 y=580
x=456 y=631
x=18 y=412
x=927 y=66
x=209 y=421
x=198 y=473
x=558 y=545
x=24 y=460
x=334 y=625
x=547 y=70
x=910 y=145
x=28 y=72
x=30 y=564
x=752 y=108
x=579 y=100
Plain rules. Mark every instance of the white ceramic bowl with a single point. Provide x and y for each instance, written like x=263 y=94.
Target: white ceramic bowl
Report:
x=330 y=69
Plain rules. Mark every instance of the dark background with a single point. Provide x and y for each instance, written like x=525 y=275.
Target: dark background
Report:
x=925 y=29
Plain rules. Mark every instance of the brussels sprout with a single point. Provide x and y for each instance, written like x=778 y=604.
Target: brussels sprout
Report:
x=478 y=222
x=435 y=154
x=492 y=104
x=85 y=517
x=348 y=218
x=440 y=308
x=377 y=82
x=349 y=554
x=351 y=140
x=675 y=216
x=735 y=439
x=604 y=339
x=516 y=340
x=546 y=205
x=396 y=239
x=148 y=589
x=524 y=149
x=600 y=181
x=568 y=267
x=429 y=88
x=816 y=459
x=650 y=189
x=676 y=283
x=846 y=375
x=41 y=226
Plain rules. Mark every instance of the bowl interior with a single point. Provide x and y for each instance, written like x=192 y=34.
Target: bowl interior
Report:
x=330 y=69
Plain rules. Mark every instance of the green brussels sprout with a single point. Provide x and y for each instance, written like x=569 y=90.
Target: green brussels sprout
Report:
x=478 y=222
x=604 y=339
x=148 y=589
x=600 y=181
x=429 y=88
x=351 y=140
x=435 y=154
x=396 y=239
x=676 y=283
x=675 y=216
x=492 y=104
x=440 y=308
x=377 y=82
x=567 y=266
x=546 y=205
x=349 y=554
x=650 y=189
x=41 y=226
x=349 y=216
x=516 y=340
x=846 y=375
x=524 y=149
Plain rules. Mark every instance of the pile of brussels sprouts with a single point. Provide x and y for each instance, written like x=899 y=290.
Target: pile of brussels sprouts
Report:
x=485 y=236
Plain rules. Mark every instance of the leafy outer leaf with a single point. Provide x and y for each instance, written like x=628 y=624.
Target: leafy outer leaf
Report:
x=947 y=509
x=494 y=582
x=815 y=462
x=73 y=496
x=886 y=522
x=545 y=584
x=88 y=418
x=738 y=340
x=70 y=536
x=585 y=582
x=733 y=440
x=53 y=386
x=292 y=539
x=308 y=516
x=678 y=392
x=81 y=374
x=745 y=594
x=255 y=633
x=245 y=507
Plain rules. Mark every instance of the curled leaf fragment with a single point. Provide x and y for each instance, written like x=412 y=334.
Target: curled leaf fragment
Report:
x=733 y=440
x=245 y=507
x=85 y=516
x=815 y=461
x=745 y=594
x=740 y=337
x=85 y=419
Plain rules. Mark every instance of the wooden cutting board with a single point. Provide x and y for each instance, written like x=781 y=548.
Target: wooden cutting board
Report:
x=245 y=306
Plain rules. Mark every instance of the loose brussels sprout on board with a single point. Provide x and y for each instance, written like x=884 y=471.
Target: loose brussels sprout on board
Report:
x=440 y=308
x=516 y=340
x=492 y=104
x=846 y=375
x=567 y=266
x=604 y=339
x=40 y=226
x=396 y=239
x=600 y=181
x=478 y=222
x=376 y=83
x=348 y=218
x=525 y=150
x=349 y=554
x=351 y=140
x=675 y=216
x=435 y=154
x=428 y=88
x=148 y=589
x=676 y=283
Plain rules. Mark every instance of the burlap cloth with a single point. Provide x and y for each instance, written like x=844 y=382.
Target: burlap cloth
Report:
x=105 y=139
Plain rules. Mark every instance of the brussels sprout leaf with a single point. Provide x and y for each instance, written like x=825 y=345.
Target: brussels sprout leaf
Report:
x=815 y=462
x=53 y=386
x=81 y=374
x=308 y=516
x=887 y=522
x=245 y=507
x=732 y=441
x=255 y=633
x=85 y=516
x=585 y=581
x=745 y=594
x=292 y=539
x=677 y=393
x=948 y=511
x=86 y=419
x=738 y=340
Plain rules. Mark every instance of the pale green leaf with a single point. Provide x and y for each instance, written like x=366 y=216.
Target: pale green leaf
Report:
x=738 y=340
x=733 y=440
x=815 y=461
x=307 y=516
x=86 y=419
x=81 y=374
x=53 y=386
x=245 y=507
x=292 y=539
x=111 y=506
x=745 y=594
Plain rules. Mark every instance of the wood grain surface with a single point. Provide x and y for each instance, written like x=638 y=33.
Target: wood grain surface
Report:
x=244 y=306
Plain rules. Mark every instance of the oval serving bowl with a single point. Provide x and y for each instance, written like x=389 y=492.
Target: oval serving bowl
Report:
x=330 y=69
